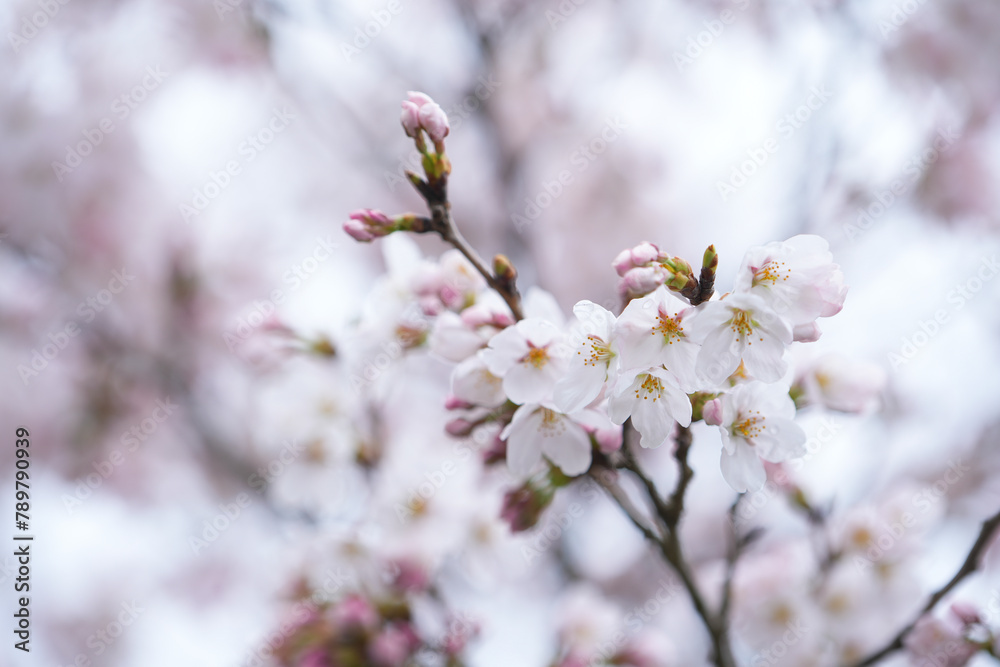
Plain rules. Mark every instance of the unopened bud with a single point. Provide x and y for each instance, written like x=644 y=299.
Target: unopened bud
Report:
x=459 y=428
x=455 y=403
x=641 y=255
x=711 y=412
x=503 y=269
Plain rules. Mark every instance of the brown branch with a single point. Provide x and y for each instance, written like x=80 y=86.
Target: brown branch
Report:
x=669 y=546
x=970 y=565
x=675 y=506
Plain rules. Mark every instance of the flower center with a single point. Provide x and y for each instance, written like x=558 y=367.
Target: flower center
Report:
x=651 y=386
x=742 y=323
x=770 y=273
x=750 y=426
x=552 y=423
x=600 y=351
x=537 y=356
x=669 y=327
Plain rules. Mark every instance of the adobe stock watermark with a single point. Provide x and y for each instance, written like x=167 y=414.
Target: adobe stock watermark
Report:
x=59 y=340
x=913 y=169
x=563 y=11
x=959 y=296
x=247 y=152
x=795 y=630
x=121 y=108
x=365 y=34
x=457 y=114
x=581 y=158
x=258 y=312
x=922 y=502
x=130 y=440
x=31 y=26
x=265 y=475
x=786 y=127
x=901 y=13
x=213 y=528
x=104 y=638
x=697 y=44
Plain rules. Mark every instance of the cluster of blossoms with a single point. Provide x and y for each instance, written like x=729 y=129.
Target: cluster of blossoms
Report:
x=673 y=355
x=661 y=362
x=383 y=619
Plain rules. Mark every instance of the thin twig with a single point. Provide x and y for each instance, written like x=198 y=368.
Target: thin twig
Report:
x=970 y=565
x=669 y=546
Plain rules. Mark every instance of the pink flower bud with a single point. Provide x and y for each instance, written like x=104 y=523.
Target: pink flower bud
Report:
x=455 y=403
x=358 y=231
x=640 y=255
x=608 y=439
x=643 y=280
x=435 y=121
x=418 y=99
x=367 y=224
x=459 y=428
x=712 y=412
x=410 y=118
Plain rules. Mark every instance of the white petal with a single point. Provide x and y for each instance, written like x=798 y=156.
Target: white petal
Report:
x=742 y=470
x=623 y=396
x=595 y=319
x=452 y=340
x=504 y=350
x=569 y=448
x=653 y=422
x=540 y=332
x=524 y=451
x=580 y=386
x=782 y=439
x=719 y=356
x=706 y=318
x=539 y=304
x=526 y=384
x=471 y=381
x=764 y=358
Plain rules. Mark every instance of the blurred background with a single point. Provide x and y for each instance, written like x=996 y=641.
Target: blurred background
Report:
x=173 y=179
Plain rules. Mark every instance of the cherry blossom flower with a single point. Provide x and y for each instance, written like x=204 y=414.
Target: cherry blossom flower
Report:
x=797 y=278
x=756 y=423
x=940 y=640
x=595 y=361
x=538 y=429
x=739 y=327
x=652 y=333
x=653 y=399
x=529 y=357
